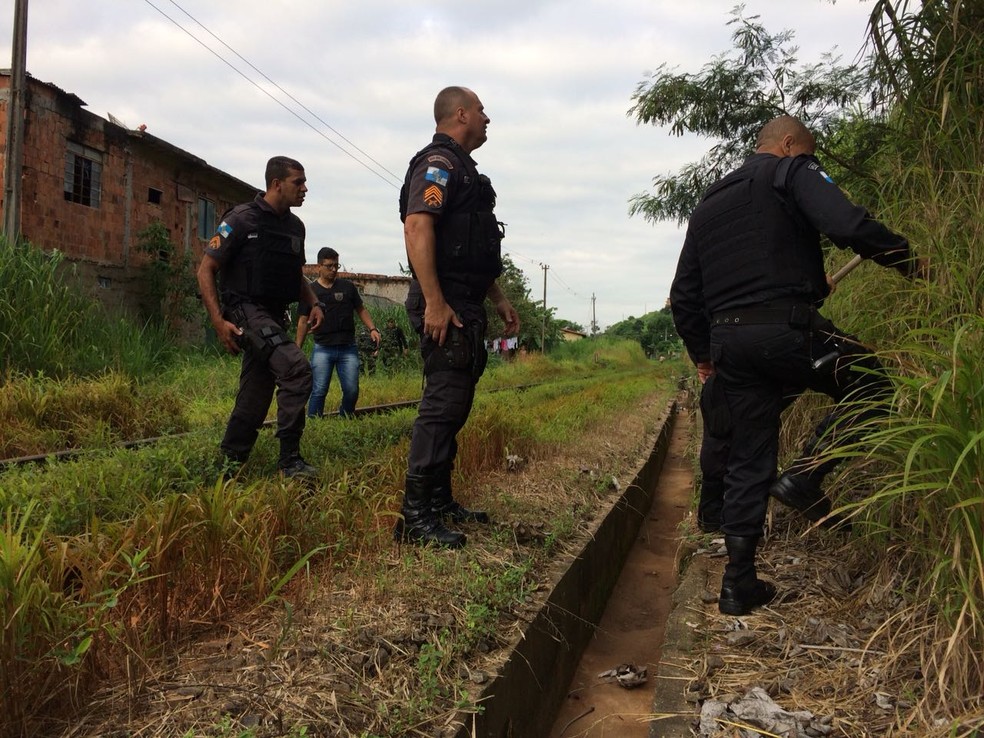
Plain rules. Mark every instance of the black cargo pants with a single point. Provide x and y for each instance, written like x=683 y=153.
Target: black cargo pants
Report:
x=448 y=391
x=285 y=369
x=760 y=366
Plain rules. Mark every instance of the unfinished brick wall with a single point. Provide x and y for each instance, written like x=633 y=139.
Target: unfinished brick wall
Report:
x=101 y=240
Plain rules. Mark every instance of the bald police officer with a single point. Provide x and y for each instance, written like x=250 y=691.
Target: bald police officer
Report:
x=257 y=256
x=453 y=244
x=744 y=299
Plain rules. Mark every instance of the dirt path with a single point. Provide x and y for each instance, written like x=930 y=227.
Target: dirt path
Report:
x=631 y=629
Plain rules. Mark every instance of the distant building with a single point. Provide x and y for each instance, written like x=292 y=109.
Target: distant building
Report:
x=378 y=290
x=569 y=334
x=90 y=185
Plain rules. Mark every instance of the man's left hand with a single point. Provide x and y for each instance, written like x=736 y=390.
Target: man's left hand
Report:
x=510 y=318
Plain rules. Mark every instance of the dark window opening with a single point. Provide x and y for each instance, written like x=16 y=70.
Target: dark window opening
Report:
x=83 y=175
x=154 y=196
x=206 y=218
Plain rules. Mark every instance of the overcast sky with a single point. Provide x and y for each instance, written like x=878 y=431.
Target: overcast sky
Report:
x=555 y=76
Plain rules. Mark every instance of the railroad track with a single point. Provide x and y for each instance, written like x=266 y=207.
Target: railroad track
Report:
x=73 y=453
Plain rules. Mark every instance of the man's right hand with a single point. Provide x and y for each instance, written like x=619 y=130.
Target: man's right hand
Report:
x=437 y=316
x=227 y=333
x=704 y=370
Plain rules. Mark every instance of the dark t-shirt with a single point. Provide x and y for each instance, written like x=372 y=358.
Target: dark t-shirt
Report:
x=341 y=300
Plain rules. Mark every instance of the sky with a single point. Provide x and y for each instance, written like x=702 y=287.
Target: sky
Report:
x=347 y=88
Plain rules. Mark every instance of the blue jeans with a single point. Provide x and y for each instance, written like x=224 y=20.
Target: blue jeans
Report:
x=345 y=360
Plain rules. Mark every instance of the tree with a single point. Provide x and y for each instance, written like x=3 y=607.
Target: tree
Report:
x=570 y=325
x=170 y=288
x=654 y=331
x=731 y=98
x=535 y=322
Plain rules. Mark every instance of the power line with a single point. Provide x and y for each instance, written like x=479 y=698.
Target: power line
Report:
x=566 y=286
x=553 y=275
x=272 y=97
x=307 y=109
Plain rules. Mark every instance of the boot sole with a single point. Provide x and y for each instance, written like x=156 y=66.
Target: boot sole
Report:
x=402 y=536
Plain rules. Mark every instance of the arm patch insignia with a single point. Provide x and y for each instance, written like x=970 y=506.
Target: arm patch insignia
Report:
x=437 y=176
x=433 y=196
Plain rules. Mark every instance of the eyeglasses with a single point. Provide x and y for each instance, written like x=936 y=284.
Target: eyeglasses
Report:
x=330 y=266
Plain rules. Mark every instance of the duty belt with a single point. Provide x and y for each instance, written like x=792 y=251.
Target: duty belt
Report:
x=795 y=316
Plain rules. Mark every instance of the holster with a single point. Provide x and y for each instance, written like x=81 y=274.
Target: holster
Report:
x=463 y=350
x=262 y=343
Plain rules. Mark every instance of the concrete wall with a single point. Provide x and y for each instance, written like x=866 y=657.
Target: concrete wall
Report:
x=390 y=289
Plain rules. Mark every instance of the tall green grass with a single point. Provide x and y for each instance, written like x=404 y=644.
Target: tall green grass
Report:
x=48 y=327
x=916 y=490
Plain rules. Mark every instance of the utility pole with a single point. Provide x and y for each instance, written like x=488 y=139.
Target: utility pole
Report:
x=594 y=321
x=13 y=160
x=543 y=325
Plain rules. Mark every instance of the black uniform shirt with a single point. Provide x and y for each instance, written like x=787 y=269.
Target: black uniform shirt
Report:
x=814 y=199
x=444 y=182
x=849 y=226
x=239 y=234
x=341 y=300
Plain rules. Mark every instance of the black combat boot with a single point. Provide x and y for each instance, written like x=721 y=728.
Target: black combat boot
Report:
x=292 y=464
x=420 y=524
x=801 y=492
x=741 y=590
x=446 y=507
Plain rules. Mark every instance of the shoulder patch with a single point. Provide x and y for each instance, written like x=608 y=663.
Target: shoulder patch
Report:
x=437 y=158
x=437 y=175
x=225 y=229
x=815 y=167
x=433 y=196
x=215 y=242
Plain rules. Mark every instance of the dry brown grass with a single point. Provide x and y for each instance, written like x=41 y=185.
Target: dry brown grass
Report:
x=387 y=646
x=841 y=640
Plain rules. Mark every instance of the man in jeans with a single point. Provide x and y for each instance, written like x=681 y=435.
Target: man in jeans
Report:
x=334 y=339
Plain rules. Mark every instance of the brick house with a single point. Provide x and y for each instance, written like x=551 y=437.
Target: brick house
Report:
x=90 y=185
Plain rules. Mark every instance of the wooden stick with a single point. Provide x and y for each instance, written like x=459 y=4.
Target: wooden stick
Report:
x=846 y=269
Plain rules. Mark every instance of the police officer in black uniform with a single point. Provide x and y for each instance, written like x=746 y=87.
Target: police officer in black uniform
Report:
x=257 y=255
x=744 y=299
x=453 y=244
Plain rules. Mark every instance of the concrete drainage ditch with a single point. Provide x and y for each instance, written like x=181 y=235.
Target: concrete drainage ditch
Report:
x=523 y=699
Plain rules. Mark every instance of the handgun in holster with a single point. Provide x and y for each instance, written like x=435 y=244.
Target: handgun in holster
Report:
x=260 y=344
x=828 y=362
x=463 y=349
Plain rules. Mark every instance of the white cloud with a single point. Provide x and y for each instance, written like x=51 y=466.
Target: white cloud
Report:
x=556 y=78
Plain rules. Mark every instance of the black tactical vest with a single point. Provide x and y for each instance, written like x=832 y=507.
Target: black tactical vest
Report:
x=267 y=268
x=753 y=244
x=469 y=239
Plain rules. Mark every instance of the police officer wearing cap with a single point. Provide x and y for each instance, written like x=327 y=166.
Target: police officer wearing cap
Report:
x=257 y=256
x=744 y=299
x=453 y=245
